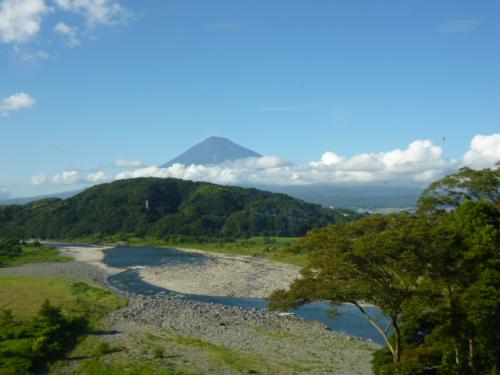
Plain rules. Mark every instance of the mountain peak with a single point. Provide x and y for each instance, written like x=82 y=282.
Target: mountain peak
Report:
x=213 y=150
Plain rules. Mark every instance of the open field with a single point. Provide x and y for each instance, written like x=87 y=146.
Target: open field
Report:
x=24 y=296
x=33 y=254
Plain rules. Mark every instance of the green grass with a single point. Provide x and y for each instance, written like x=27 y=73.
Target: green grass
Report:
x=34 y=254
x=32 y=338
x=271 y=248
x=243 y=362
x=25 y=295
x=99 y=367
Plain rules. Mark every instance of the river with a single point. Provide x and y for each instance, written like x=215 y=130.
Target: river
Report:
x=348 y=318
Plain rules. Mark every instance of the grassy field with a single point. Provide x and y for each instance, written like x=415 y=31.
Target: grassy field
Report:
x=25 y=295
x=33 y=254
x=42 y=319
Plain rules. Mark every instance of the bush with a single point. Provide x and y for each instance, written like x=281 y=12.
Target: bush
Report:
x=27 y=347
x=102 y=348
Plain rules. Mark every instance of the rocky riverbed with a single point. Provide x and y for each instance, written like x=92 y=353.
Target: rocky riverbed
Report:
x=223 y=275
x=296 y=345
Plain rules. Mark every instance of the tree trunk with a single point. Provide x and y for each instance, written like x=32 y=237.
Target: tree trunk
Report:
x=395 y=348
x=472 y=356
x=397 y=342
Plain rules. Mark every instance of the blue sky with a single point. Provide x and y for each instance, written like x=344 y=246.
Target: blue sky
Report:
x=293 y=79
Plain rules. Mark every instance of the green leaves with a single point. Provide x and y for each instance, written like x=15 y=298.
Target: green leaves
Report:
x=435 y=275
x=174 y=207
x=26 y=347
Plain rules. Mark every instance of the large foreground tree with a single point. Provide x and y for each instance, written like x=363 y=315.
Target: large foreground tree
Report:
x=376 y=260
x=434 y=275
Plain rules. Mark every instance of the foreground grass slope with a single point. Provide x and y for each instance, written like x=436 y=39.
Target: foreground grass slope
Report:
x=35 y=332
x=25 y=295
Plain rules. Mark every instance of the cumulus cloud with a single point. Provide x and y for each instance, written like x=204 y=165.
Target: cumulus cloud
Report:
x=484 y=151
x=20 y=20
x=132 y=164
x=67 y=178
x=420 y=162
x=97 y=12
x=69 y=33
x=31 y=56
x=15 y=102
x=99 y=176
x=38 y=179
x=73 y=177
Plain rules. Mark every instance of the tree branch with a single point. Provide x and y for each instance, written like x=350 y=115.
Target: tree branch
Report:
x=377 y=326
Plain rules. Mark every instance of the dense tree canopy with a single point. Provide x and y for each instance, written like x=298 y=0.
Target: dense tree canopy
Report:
x=164 y=207
x=435 y=275
x=467 y=184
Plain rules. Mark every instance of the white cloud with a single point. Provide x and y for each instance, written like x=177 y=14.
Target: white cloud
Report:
x=97 y=12
x=99 y=176
x=67 y=178
x=73 y=177
x=459 y=26
x=20 y=20
x=421 y=162
x=69 y=33
x=38 y=179
x=31 y=56
x=16 y=102
x=484 y=151
x=132 y=164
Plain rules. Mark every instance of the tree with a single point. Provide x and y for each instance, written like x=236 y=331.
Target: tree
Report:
x=377 y=260
x=435 y=275
x=467 y=184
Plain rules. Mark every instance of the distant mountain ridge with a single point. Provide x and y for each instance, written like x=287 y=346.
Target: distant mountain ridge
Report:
x=213 y=150
x=25 y=200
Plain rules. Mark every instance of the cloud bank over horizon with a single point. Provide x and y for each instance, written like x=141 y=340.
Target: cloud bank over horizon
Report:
x=420 y=163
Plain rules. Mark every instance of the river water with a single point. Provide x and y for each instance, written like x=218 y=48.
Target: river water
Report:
x=348 y=318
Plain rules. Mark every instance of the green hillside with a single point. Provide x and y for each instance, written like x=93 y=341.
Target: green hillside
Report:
x=161 y=208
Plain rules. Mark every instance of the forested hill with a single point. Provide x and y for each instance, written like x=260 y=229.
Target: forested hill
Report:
x=164 y=207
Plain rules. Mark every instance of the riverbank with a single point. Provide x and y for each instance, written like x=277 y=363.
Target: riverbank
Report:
x=89 y=254
x=204 y=338
x=276 y=344
x=223 y=275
